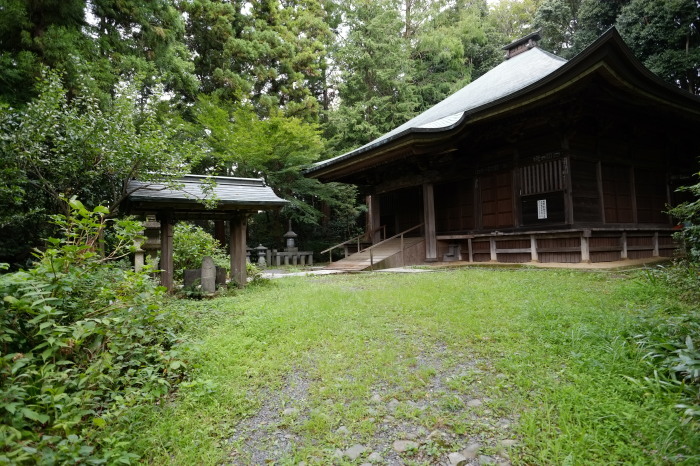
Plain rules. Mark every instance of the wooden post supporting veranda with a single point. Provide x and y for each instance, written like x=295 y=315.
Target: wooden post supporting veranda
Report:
x=492 y=249
x=166 y=250
x=623 y=240
x=585 y=246
x=429 y=220
x=373 y=224
x=237 y=249
x=534 y=256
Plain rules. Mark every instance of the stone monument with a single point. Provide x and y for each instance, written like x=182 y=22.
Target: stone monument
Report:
x=208 y=279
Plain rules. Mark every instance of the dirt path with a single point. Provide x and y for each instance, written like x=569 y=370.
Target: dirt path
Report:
x=439 y=410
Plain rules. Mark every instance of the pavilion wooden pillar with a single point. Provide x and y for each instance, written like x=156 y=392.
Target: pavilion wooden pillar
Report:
x=237 y=245
x=166 y=250
x=429 y=222
x=220 y=232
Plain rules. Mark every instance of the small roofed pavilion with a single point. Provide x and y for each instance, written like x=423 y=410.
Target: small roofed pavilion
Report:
x=195 y=197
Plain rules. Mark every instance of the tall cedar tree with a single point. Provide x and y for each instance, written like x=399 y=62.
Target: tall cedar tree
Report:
x=106 y=40
x=666 y=37
x=269 y=52
x=376 y=91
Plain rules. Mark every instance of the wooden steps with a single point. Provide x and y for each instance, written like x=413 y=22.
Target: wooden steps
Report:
x=361 y=260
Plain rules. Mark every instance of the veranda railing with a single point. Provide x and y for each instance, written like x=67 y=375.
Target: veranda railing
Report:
x=356 y=239
x=402 y=235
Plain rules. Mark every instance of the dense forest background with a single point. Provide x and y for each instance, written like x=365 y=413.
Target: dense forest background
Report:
x=94 y=92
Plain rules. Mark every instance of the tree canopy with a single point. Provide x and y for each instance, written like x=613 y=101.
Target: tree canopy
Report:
x=95 y=91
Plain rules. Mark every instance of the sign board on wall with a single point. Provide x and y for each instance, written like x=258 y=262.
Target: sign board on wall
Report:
x=543 y=209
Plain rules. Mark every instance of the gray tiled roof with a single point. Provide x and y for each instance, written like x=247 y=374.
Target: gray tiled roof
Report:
x=508 y=77
x=228 y=190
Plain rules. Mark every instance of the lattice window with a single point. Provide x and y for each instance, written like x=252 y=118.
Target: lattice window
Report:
x=543 y=177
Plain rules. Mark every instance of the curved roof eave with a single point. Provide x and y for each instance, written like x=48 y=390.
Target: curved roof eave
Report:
x=511 y=75
x=469 y=114
x=384 y=142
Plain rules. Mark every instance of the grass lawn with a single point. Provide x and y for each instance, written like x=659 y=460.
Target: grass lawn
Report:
x=513 y=365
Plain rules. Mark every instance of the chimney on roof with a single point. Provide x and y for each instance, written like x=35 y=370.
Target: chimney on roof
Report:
x=522 y=45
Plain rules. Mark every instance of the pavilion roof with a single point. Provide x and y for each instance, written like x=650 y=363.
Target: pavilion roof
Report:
x=190 y=192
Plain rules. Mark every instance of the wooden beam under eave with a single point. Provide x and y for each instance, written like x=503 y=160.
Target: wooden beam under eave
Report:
x=196 y=211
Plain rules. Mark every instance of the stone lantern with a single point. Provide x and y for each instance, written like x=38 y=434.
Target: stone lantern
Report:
x=261 y=255
x=289 y=240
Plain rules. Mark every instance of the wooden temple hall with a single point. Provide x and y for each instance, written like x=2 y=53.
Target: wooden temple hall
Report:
x=540 y=159
x=233 y=200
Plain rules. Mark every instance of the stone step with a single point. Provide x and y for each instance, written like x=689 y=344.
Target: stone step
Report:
x=362 y=261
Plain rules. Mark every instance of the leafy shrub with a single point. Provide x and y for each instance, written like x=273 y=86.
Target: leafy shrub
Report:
x=672 y=353
x=689 y=214
x=190 y=244
x=255 y=276
x=682 y=278
x=670 y=337
x=81 y=339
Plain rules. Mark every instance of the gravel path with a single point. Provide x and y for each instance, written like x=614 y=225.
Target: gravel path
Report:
x=449 y=421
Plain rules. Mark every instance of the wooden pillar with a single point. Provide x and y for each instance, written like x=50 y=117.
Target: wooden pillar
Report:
x=429 y=219
x=568 y=191
x=585 y=248
x=166 y=250
x=669 y=198
x=478 y=220
x=534 y=257
x=470 y=250
x=601 y=193
x=623 y=240
x=374 y=213
x=237 y=249
x=655 y=252
x=220 y=232
x=492 y=249
x=633 y=194
x=516 y=202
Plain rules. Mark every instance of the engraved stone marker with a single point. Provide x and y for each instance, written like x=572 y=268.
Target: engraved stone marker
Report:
x=208 y=275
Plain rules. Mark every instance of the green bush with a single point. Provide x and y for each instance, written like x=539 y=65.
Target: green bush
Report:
x=689 y=214
x=190 y=244
x=670 y=337
x=81 y=338
x=670 y=345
